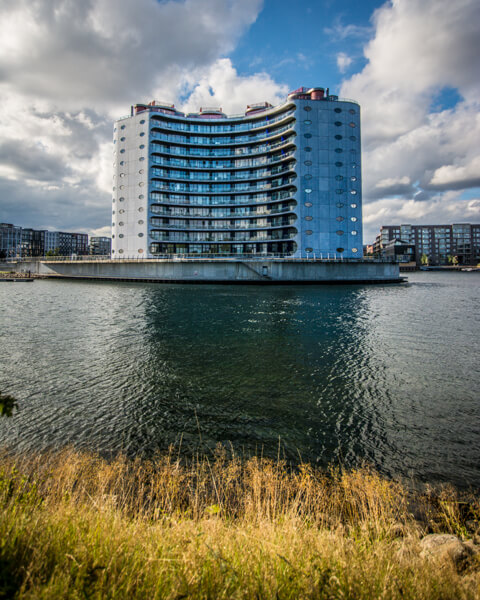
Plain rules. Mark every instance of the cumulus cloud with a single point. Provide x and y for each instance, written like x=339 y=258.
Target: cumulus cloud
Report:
x=418 y=50
x=67 y=69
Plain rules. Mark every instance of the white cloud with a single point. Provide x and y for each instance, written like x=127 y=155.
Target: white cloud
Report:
x=343 y=61
x=420 y=48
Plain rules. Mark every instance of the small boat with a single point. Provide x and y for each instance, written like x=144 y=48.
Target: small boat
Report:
x=17 y=279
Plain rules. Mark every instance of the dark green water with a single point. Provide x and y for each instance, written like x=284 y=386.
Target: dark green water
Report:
x=384 y=374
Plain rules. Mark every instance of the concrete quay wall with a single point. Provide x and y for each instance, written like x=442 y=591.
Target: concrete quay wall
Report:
x=219 y=271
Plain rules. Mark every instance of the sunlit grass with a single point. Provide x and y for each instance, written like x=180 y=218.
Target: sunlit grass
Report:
x=74 y=525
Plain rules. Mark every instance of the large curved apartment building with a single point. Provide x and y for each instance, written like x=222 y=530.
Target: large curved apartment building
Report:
x=282 y=180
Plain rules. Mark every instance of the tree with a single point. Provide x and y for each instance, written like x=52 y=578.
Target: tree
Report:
x=55 y=252
x=424 y=259
x=7 y=404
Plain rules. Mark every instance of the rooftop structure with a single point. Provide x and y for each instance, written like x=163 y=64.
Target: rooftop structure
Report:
x=283 y=181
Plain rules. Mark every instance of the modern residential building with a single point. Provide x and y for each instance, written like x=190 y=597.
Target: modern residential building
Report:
x=10 y=240
x=24 y=241
x=100 y=246
x=282 y=180
x=439 y=243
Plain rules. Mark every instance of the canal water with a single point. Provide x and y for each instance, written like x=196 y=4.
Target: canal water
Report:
x=387 y=375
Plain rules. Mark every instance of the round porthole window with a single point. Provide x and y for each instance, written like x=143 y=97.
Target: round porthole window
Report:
x=308 y=218
x=113 y=212
x=141 y=183
x=308 y=176
x=113 y=235
x=141 y=197
x=122 y=151
x=353 y=138
x=141 y=222
x=308 y=190
x=353 y=178
x=121 y=211
x=308 y=163
x=120 y=235
x=142 y=171
x=140 y=250
x=351 y=111
x=353 y=192
x=142 y=134
x=141 y=158
x=140 y=235
x=122 y=187
x=355 y=250
x=354 y=165
x=352 y=124
x=339 y=177
x=113 y=200
x=140 y=209
x=354 y=232
x=121 y=224
x=339 y=164
x=339 y=232
x=308 y=204
x=114 y=129
x=338 y=110
x=308 y=232
x=122 y=127
x=114 y=188
x=338 y=137
x=307 y=149
x=340 y=250
x=353 y=205
x=122 y=174
x=308 y=135
x=340 y=219
x=122 y=162
x=121 y=199
x=120 y=251
x=338 y=150
x=339 y=205
x=338 y=123
x=353 y=219
x=309 y=250
x=339 y=191
x=307 y=122
x=142 y=146
x=142 y=121
x=122 y=139
x=307 y=108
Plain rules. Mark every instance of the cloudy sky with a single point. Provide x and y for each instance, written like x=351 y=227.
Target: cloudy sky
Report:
x=69 y=68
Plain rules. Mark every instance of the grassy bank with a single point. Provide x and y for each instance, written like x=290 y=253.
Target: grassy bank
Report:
x=73 y=525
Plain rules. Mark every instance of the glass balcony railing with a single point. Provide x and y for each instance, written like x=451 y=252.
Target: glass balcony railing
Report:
x=258 y=236
x=175 y=199
x=224 y=128
x=222 y=175
x=205 y=213
x=159 y=148
x=220 y=187
x=199 y=140
x=219 y=164
x=225 y=225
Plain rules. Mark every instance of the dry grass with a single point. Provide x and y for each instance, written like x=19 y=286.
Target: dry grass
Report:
x=75 y=526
